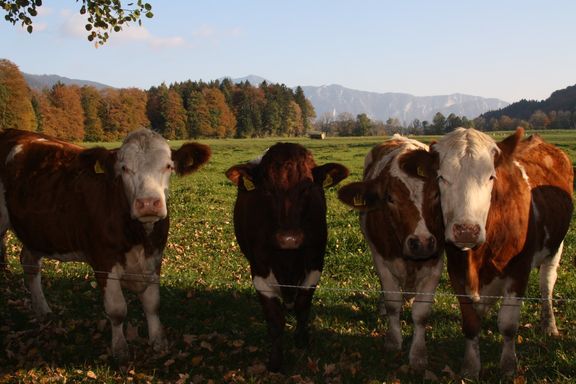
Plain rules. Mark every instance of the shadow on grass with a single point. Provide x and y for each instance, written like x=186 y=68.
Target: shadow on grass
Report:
x=220 y=334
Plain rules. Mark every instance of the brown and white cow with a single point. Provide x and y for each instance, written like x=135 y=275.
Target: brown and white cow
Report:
x=402 y=223
x=103 y=207
x=280 y=225
x=507 y=207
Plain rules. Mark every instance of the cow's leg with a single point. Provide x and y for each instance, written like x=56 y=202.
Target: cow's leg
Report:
x=548 y=274
x=391 y=299
x=471 y=326
x=31 y=265
x=421 y=308
x=302 y=308
x=150 y=299
x=269 y=295
x=275 y=320
x=508 y=318
x=116 y=309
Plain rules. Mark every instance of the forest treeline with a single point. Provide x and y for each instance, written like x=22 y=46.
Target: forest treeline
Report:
x=218 y=109
x=223 y=109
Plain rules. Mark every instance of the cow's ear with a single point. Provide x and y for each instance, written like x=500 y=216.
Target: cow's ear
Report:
x=242 y=175
x=507 y=147
x=420 y=164
x=362 y=195
x=329 y=174
x=189 y=157
x=98 y=160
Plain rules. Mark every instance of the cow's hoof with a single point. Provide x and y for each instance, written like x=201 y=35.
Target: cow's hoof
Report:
x=508 y=366
x=159 y=344
x=419 y=363
x=392 y=343
x=470 y=372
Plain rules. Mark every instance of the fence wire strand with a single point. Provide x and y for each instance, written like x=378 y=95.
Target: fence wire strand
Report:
x=153 y=279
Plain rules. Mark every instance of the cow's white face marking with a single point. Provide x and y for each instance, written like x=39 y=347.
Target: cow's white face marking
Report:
x=145 y=164
x=466 y=177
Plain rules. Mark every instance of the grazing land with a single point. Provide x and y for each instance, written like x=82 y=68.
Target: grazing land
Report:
x=213 y=319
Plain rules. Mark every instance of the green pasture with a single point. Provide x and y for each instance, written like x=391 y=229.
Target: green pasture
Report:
x=213 y=319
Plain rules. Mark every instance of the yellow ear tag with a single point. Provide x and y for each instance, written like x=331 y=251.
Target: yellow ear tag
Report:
x=248 y=184
x=328 y=181
x=358 y=201
x=420 y=172
x=98 y=167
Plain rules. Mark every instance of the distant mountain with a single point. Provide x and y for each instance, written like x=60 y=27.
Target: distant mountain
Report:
x=561 y=100
x=47 y=81
x=252 y=79
x=335 y=99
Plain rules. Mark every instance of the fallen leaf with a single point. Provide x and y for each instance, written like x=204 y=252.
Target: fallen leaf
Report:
x=169 y=362
x=329 y=369
x=196 y=360
x=91 y=375
x=206 y=345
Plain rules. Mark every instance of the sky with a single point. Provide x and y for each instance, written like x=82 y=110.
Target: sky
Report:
x=505 y=49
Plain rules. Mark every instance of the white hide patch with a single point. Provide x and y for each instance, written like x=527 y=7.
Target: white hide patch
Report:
x=13 y=152
x=312 y=279
x=139 y=271
x=267 y=286
x=523 y=171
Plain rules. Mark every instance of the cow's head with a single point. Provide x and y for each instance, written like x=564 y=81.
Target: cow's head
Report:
x=467 y=170
x=406 y=191
x=288 y=186
x=145 y=162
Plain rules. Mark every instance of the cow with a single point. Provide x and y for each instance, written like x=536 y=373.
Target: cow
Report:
x=103 y=207
x=400 y=218
x=280 y=226
x=506 y=208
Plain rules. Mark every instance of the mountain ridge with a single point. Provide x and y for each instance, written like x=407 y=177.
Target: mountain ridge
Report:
x=329 y=101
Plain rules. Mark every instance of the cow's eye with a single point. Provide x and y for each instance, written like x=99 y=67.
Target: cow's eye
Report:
x=492 y=177
x=442 y=180
x=169 y=167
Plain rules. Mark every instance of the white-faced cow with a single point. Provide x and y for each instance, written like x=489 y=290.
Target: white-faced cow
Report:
x=103 y=207
x=280 y=225
x=402 y=223
x=507 y=207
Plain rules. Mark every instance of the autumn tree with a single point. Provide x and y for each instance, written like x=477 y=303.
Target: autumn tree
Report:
x=91 y=101
x=222 y=120
x=15 y=102
x=61 y=112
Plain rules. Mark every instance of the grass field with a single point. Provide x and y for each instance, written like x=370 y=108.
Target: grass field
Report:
x=213 y=319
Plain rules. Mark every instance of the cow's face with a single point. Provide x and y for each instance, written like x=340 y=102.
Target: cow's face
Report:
x=406 y=192
x=468 y=162
x=145 y=163
x=289 y=190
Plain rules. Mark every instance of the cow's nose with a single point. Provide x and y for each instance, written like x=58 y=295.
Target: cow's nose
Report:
x=466 y=234
x=419 y=247
x=289 y=239
x=148 y=206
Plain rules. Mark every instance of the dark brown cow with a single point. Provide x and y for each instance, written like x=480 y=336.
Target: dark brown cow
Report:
x=280 y=225
x=103 y=207
x=507 y=207
x=401 y=220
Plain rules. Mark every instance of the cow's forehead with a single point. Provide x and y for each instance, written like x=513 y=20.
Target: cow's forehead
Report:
x=466 y=150
x=144 y=146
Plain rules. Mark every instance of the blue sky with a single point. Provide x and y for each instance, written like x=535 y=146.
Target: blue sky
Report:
x=507 y=49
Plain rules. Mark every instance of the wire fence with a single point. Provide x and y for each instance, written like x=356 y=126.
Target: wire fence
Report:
x=154 y=279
